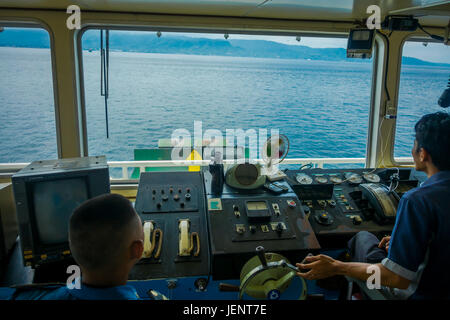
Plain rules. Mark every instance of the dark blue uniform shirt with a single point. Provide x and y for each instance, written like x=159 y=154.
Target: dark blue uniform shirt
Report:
x=125 y=292
x=420 y=243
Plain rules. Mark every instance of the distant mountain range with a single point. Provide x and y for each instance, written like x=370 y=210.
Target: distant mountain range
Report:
x=149 y=42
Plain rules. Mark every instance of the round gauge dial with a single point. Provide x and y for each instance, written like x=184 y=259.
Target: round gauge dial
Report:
x=321 y=179
x=372 y=177
x=336 y=179
x=353 y=178
x=303 y=178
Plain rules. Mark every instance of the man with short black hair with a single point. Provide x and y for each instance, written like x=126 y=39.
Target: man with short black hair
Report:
x=106 y=239
x=418 y=252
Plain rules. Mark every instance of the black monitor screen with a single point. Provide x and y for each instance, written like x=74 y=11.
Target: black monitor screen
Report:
x=54 y=202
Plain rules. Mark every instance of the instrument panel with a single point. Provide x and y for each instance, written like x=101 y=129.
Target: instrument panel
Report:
x=191 y=230
x=339 y=203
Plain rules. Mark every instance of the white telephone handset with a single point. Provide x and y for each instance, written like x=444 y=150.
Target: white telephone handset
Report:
x=184 y=243
x=148 y=245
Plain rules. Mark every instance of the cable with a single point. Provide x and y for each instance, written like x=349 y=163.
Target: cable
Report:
x=308 y=165
x=387 y=65
x=433 y=36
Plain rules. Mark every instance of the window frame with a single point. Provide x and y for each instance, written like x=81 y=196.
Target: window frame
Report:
x=33 y=23
x=401 y=161
x=152 y=28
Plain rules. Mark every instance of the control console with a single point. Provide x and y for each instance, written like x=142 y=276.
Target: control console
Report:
x=172 y=208
x=340 y=203
x=241 y=220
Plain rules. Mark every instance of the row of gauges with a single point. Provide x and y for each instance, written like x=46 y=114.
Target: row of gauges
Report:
x=350 y=177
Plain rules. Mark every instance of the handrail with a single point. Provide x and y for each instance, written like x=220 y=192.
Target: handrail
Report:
x=10 y=168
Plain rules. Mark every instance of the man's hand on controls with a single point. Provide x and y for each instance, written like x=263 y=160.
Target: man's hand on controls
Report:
x=385 y=243
x=320 y=266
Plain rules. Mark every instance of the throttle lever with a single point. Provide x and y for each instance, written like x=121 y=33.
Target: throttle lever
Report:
x=261 y=255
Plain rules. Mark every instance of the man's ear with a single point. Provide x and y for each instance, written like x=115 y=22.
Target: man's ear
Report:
x=136 y=249
x=424 y=155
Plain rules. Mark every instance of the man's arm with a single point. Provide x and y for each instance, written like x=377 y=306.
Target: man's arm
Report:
x=323 y=266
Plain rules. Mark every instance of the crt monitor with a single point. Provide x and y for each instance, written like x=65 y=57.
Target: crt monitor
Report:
x=46 y=193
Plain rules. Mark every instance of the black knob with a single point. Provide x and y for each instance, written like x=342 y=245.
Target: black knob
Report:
x=187 y=196
x=261 y=255
x=279 y=227
x=158 y=205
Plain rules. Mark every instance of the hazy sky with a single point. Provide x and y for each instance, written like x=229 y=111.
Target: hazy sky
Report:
x=434 y=52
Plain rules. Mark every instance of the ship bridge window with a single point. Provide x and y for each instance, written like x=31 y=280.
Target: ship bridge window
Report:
x=159 y=82
x=27 y=111
x=424 y=76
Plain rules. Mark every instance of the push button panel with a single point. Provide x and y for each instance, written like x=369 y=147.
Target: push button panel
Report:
x=170 y=198
x=267 y=219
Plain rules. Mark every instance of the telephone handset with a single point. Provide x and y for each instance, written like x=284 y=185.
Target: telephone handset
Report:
x=186 y=241
x=384 y=203
x=150 y=239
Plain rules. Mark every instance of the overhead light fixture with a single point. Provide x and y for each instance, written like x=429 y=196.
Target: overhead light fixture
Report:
x=159 y=34
x=226 y=36
x=360 y=43
x=298 y=38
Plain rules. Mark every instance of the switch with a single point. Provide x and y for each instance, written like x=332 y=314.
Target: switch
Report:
x=276 y=209
x=324 y=217
x=158 y=205
x=252 y=229
x=356 y=220
x=182 y=204
x=291 y=203
x=240 y=228
x=236 y=211
x=279 y=228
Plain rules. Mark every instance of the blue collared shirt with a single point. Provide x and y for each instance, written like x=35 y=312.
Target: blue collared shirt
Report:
x=419 y=249
x=124 y=292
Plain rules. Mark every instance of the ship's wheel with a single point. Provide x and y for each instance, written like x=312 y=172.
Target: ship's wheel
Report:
x=268 y=276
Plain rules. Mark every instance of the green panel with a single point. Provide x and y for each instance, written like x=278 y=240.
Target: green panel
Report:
x=154 y=154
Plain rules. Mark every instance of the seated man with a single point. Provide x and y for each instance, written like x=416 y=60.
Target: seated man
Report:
x=418 y=252
x=106 y=240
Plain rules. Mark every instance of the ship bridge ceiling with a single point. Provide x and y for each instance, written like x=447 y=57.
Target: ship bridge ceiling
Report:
x=430 y=12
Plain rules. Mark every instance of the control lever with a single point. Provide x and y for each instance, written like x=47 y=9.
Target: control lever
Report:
x=303 y=262
x=261 y=255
